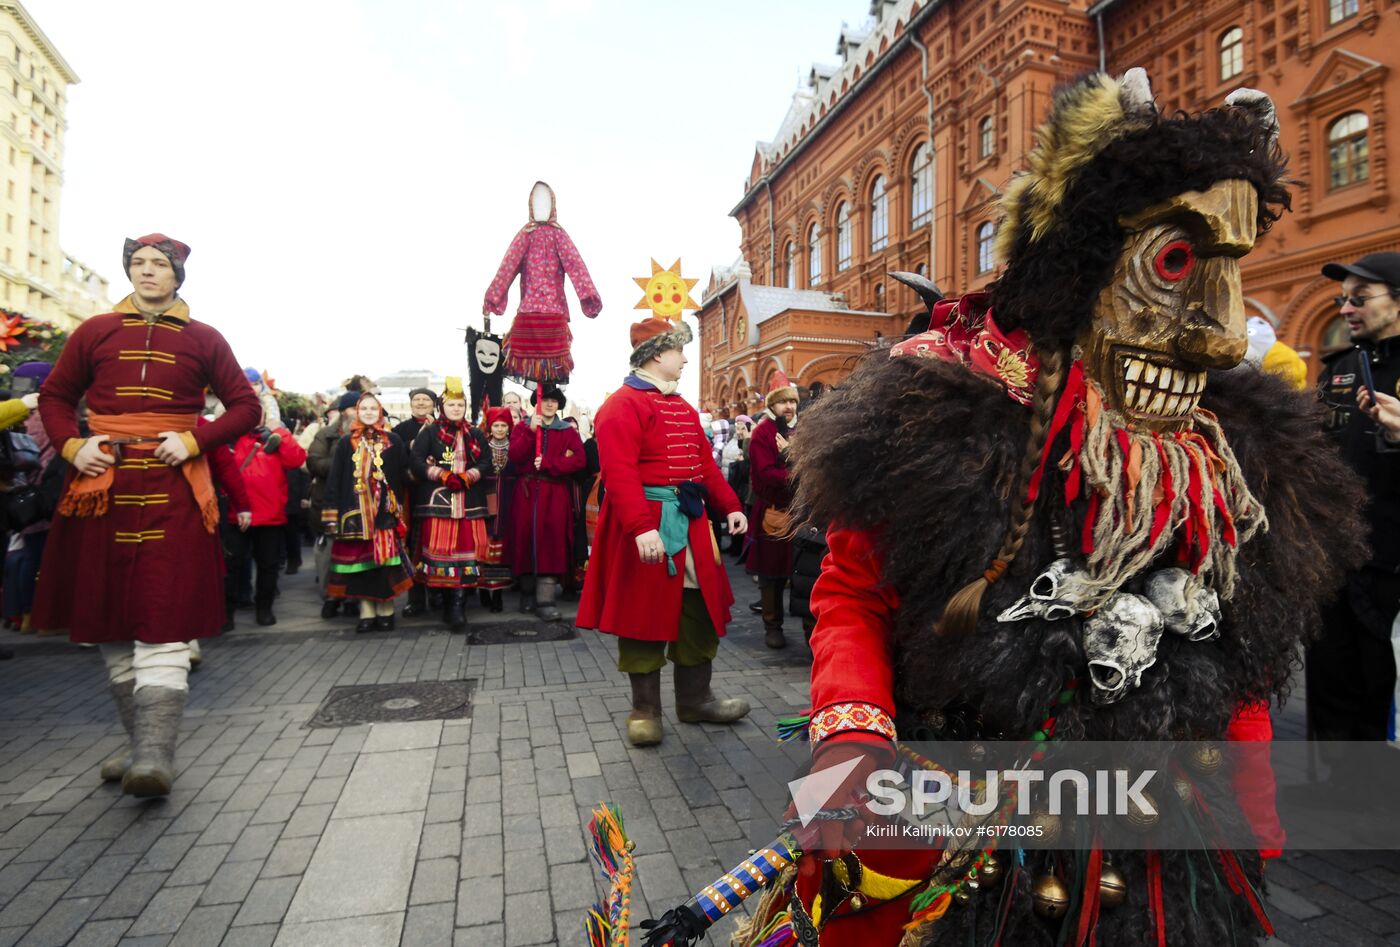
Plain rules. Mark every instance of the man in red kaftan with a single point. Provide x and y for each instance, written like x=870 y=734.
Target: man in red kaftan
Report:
x=133 y=561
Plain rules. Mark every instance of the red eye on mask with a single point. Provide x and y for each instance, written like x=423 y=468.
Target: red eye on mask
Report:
x=1174 y=261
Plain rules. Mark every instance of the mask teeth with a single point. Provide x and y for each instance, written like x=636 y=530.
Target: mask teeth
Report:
x=1160 y=390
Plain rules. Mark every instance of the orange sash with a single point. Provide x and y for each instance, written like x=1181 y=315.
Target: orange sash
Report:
x=88 y=496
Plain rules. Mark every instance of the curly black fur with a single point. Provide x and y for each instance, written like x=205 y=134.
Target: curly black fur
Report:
x=924 y=453
x=1048 y=287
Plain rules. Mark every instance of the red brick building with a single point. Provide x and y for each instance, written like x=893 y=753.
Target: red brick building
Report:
x=891 y=159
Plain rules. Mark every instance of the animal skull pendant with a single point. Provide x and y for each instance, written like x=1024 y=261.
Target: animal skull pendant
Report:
x=1120 y=642
x=1057 y=593
x=1189 y=608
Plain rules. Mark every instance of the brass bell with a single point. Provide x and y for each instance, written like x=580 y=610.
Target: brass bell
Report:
x=1050 y=897
x=1205 y=758
x=990 y=870
x=1113 y=889
x=857 y=902
x=962 y=896
x=1050 y=828
x=1141 y=820
x=972 y=884
x=1185 y=791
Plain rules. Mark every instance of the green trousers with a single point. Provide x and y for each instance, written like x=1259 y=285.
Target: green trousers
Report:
x=696 y=643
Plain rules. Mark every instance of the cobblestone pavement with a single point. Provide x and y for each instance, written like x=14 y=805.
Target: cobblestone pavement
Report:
x=463 y=831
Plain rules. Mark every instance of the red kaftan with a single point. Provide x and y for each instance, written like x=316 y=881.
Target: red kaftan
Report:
x=646 y=438
x=540 y=537
x=146 y=570
x=770 y=557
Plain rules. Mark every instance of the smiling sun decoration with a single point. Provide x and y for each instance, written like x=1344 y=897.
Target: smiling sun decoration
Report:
x=667 y=292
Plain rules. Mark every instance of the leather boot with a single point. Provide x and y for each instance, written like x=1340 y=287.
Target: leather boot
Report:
x=527 y=594
x=644 y=723
x=772 y=602
x=116 y=765
x=456 y=611
x=496 y=604
x=546 y=591
x=155 y=732
x=696 y=703
x=417 y=601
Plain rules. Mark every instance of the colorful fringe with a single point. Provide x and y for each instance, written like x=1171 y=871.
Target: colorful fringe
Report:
x=607 y=923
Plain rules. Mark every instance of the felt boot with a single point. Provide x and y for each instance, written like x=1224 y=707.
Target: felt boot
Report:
x=456 y=611
x=155 y=732
x=116 y=765
x=644 y=723
x=696 y=703
x=772 y=602
x=417 y=601
x=527 y=594
x=497 y=605
x=546 y=591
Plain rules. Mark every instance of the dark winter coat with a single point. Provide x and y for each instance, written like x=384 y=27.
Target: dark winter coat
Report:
x=340 y=485
x=433 y=498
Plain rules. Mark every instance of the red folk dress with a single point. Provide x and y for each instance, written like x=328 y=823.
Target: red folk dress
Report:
x=649 y=439
x=148 y=569
x=853 y=687
x=770 y=558
x=540 y=533
x=537 y=345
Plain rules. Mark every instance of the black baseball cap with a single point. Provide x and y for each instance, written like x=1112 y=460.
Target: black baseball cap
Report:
x=1373 y=267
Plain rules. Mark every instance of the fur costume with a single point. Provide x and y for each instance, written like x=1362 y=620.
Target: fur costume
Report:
x=954 y=469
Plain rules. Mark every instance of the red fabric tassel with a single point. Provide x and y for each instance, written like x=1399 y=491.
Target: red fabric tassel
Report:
x=1069 y=401
x=1090 y=518
x=1162 y=514
x=1089 y=906
x=1154 y=895
x=1239 y=884
x=1198 y=536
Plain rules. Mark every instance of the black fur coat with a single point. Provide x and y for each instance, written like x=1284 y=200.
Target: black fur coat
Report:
x=924 y=454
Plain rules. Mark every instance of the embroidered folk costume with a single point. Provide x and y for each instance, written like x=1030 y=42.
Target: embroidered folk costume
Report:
x=364 y=512
x=133 y=560
x=537 y=345
x=1075 y=525
x=539 y=545
x=450 y=462
x=660 y=476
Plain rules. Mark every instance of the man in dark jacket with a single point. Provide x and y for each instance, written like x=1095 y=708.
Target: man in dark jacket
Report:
x=318 y=462
x=1351 y=667
x=422 y=402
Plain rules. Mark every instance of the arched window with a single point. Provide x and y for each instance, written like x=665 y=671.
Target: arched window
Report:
x=814 y=255
x=879 y=297
x=879 y=216
x=984 y=248
x=789 y=266
x=1231 y=53
x=921 y=186
x=986 y=134
x=1335 y=337
x=843 y=236
x=1348 y=157
x=1339 y=10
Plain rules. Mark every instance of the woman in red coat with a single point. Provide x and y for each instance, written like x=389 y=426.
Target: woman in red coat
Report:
x=771 y=556
x=655 y=578
x=263 y=457
x=540 y=541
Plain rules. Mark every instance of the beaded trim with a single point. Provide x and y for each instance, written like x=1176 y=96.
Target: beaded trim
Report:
x=839 y=718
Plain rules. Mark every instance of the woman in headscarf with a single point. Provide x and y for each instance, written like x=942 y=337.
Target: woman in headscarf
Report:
x=500 y=482
x=450 y=462
x=364 y=512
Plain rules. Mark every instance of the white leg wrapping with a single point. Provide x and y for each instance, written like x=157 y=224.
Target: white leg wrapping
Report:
x=162 y=665
x=384 y=608
x=366 y=608
x=118 y=657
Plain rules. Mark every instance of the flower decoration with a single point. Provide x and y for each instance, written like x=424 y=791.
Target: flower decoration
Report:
x=11 y=328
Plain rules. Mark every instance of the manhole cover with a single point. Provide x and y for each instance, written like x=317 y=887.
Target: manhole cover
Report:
x=519 y=633
x=394 y=703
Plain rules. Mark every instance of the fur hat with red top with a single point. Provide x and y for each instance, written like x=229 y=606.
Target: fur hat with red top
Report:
x=780 y=389
x=651 y=337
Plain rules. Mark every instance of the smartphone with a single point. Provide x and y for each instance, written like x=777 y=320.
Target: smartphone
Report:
x=1367 y=381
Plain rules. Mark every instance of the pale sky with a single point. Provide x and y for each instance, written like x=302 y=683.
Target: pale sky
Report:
x=350 y=172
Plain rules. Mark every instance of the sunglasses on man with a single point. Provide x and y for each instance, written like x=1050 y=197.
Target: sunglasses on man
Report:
x=1356 y=301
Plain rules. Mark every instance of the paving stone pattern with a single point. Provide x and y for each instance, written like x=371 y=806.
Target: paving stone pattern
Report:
x=468 y=832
